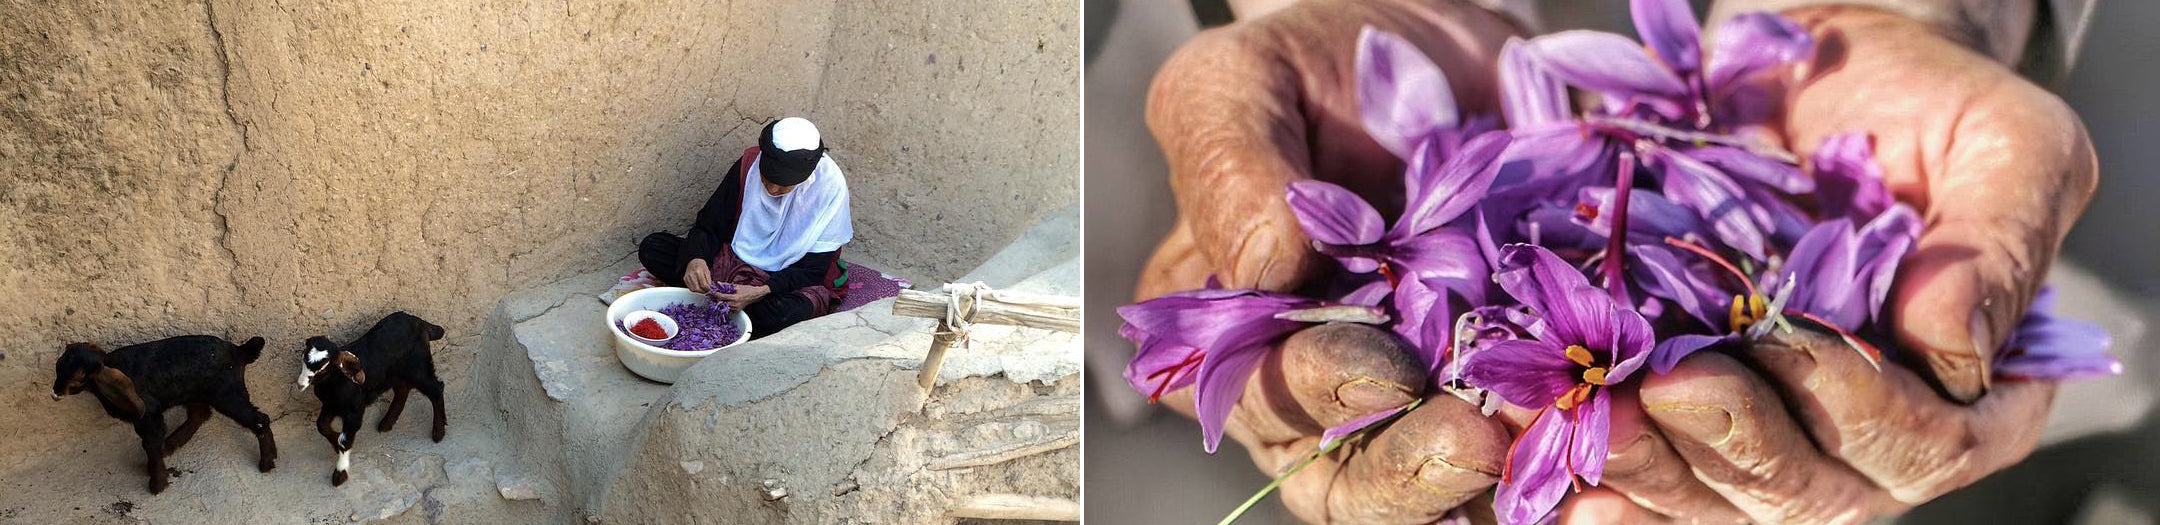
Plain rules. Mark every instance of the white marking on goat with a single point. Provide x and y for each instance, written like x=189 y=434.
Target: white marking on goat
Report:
x=308 y=368
x=344 y=461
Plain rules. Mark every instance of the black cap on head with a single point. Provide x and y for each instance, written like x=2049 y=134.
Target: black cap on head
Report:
x=784 y=167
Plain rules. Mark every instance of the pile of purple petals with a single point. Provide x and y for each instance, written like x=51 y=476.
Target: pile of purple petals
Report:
x=700 y=326
x=1547 y=261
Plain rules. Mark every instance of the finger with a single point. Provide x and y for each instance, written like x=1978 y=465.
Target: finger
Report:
x=1890 y=426
x=1599 y=506
x=1412 y=471
x=1734 y=433
x=1223 y=108
x=1318 y=378
x=1643 y=467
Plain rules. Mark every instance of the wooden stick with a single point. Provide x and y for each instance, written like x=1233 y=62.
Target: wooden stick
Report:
x=1000 y=307
x=935 y=360
x=1016 y=507
x=977 y=458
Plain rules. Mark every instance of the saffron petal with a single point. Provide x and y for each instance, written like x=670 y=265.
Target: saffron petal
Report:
x=1333 y=215
x=1593 y=437
x=1403 y=98
x=1714 y=197
x=1357 y=423
x=1439 y=192
x=1749 y=43
x=2049 y=346
x=1529 y=96
x=1525 y=372
x=1670 y=29
x=1537 y=474
x=1221 y=382
x=1613 y=65
x=1673 y=348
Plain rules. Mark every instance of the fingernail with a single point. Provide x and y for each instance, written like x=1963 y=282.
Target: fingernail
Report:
x=1438 y=474
x=1256 y=258
x=1366 y=394
x=1982 y=328
x=1710 y=425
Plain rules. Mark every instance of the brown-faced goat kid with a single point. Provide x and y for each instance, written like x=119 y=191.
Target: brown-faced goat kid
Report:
x=392 y=355
x=137 y=383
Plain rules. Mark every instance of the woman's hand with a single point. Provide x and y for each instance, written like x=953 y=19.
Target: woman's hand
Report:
x=698 y=277
x=745 y=295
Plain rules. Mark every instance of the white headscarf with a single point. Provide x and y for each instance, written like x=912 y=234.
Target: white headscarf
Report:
x=774 y=232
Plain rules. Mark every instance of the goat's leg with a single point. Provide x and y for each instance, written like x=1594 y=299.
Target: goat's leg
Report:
x=433 y=389
x=397 y=406
x=151 y=429
x=235 y=405
x=197 y=413
x=322 y=426
x=345 y=441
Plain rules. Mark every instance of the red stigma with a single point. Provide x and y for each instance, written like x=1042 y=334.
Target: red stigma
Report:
x=1715 y=258
x=1171 y=372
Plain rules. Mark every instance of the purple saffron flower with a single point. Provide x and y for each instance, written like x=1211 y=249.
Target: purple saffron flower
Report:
x=1212 y=339
x=1674 y=85
x=2048 y=346
x=1729 y=187
x=1422 y=259
x=1843 y=276
x=1582 y=342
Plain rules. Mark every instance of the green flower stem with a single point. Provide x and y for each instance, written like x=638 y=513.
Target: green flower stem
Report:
x=1309 y=458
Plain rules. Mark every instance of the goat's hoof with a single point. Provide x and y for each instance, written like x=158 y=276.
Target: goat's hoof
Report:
x=337 y=478
x=439 y=432
x=157 y=486
x=385 y=425
x=267 y=464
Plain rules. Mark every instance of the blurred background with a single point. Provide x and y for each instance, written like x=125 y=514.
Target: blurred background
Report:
x=2100 y=458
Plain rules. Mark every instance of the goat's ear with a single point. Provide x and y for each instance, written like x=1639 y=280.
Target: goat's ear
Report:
x=119 y=389
x=434 y=333
x=349 y=364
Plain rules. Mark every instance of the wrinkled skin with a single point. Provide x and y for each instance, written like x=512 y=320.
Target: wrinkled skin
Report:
x=1999 y=167
x=1246 y=109
x=1800 y=429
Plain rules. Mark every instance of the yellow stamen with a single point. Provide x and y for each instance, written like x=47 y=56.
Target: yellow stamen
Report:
x=1572 y=397
x=1579 y=355
x=1747 y=310
x=1595 y=375
x=1738 y=318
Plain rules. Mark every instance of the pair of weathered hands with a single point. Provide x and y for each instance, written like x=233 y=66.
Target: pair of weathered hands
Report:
x=1798 y=432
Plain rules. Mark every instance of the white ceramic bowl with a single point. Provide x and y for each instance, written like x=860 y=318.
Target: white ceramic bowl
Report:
x=653 y=362
x=667 y=326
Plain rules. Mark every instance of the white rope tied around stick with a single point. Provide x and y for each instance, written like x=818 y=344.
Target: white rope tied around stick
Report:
x=961 y=300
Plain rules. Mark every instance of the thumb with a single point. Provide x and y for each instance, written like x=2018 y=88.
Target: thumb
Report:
x=1996 y=216
x=1224 y=110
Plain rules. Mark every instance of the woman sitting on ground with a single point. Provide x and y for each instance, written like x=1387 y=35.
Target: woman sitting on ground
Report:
x=774 y=230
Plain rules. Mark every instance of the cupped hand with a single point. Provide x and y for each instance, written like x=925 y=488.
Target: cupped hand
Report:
x=1243 y=111
x=1800 y=429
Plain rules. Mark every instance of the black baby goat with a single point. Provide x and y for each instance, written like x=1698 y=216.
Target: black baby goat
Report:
x=392 y=355
x=137 y=383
